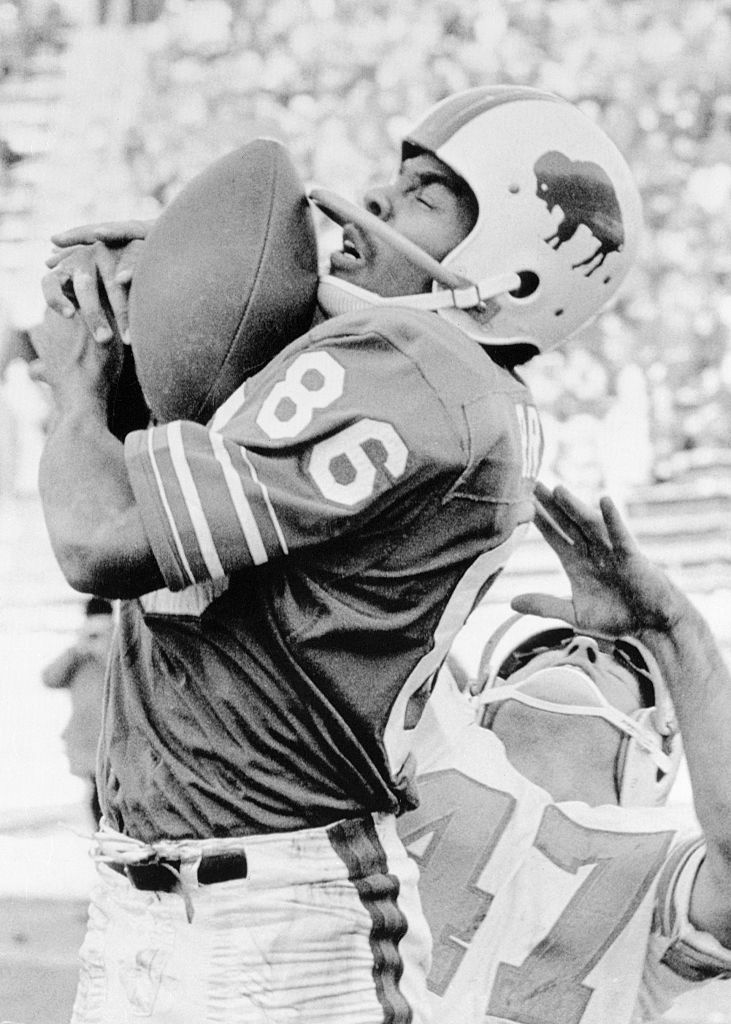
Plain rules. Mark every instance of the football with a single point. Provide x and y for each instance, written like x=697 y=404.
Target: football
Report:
x=226 y=279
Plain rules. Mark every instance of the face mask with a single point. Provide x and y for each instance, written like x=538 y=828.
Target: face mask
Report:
x=567 y=690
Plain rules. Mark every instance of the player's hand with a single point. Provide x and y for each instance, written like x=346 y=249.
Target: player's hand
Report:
x=91 y=270
x=113 y=233
x=94 y=279
x=78 y=368
x=615 y=589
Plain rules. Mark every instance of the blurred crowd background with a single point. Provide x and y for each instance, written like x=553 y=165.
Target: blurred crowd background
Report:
x=338 y=82
x=108 y=107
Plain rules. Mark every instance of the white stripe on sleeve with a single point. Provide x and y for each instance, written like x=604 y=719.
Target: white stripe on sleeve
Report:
x=223 y=415
x=166 y=505
x=241 y=504
x=267 y=501
x=226 y=412
x=193 y=502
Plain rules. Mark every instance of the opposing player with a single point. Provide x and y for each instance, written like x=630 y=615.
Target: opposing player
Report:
x=296 y=568
x=557 y=885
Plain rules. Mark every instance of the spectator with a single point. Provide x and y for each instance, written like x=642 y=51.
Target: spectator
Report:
x=81 y=670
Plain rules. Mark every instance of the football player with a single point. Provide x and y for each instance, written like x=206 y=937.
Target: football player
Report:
x=558 y=885
x=294 y=570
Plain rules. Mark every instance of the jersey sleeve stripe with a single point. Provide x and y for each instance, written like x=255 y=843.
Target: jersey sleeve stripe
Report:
x=693 y=954
x=665 y=898
x=193 y=501
x=226 y=412
x=176 y=501
x=223 y=415
x=166 y=506
x=242 y=462
x=142 y=454
x=267 y=500
x=240 y=502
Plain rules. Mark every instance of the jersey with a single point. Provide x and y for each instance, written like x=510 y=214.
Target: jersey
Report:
x=322 y=539
x=544 y=912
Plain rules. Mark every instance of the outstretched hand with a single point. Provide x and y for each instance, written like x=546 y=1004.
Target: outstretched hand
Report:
x=615 y=589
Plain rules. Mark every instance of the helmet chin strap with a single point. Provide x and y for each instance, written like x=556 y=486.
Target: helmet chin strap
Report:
x=596 y=705
x=336 y=296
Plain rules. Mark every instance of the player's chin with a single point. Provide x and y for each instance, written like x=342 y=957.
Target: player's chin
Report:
x=353 y=269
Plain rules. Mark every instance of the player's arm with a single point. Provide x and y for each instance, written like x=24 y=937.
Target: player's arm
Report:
x=93 y=521
x=184 y=503
x=616 y=590
x=317 y=445
x=305 y=452
x=700 y=687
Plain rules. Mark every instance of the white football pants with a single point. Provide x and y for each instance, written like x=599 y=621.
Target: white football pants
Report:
x=327 y=926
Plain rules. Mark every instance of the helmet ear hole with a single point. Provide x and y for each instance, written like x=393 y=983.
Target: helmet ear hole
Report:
x=529 y=283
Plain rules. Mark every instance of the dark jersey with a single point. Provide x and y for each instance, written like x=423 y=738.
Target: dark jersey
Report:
x=322 y=539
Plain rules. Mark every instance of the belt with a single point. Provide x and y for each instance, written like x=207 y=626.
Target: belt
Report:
x=160 y=877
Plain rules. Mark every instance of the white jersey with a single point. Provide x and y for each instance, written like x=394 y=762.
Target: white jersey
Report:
x=545 y=912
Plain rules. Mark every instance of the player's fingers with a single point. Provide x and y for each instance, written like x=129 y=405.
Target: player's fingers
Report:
x=118 y=296
x=106 y=262
x=619 y=534
x=52 y=286
x=543 y=493
x=128 y=261
x=550 y=528
x=113 y=232
x=86 y=289
x=545 y=498
x=124 y=231
x=58 y=255
x=557 y=528
x=585 y=521
x=545 y=605
x=82 y=234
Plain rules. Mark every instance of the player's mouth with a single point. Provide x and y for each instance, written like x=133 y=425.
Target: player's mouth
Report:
x=354 y=252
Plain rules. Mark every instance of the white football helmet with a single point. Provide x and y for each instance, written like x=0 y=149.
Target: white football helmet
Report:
x=519 y=663
x=558 y=223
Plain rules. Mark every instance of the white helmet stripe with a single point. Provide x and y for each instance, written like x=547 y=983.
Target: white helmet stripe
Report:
x=454 y=112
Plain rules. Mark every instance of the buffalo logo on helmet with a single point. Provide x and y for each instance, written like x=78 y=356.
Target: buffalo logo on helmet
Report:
x=586 y=196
